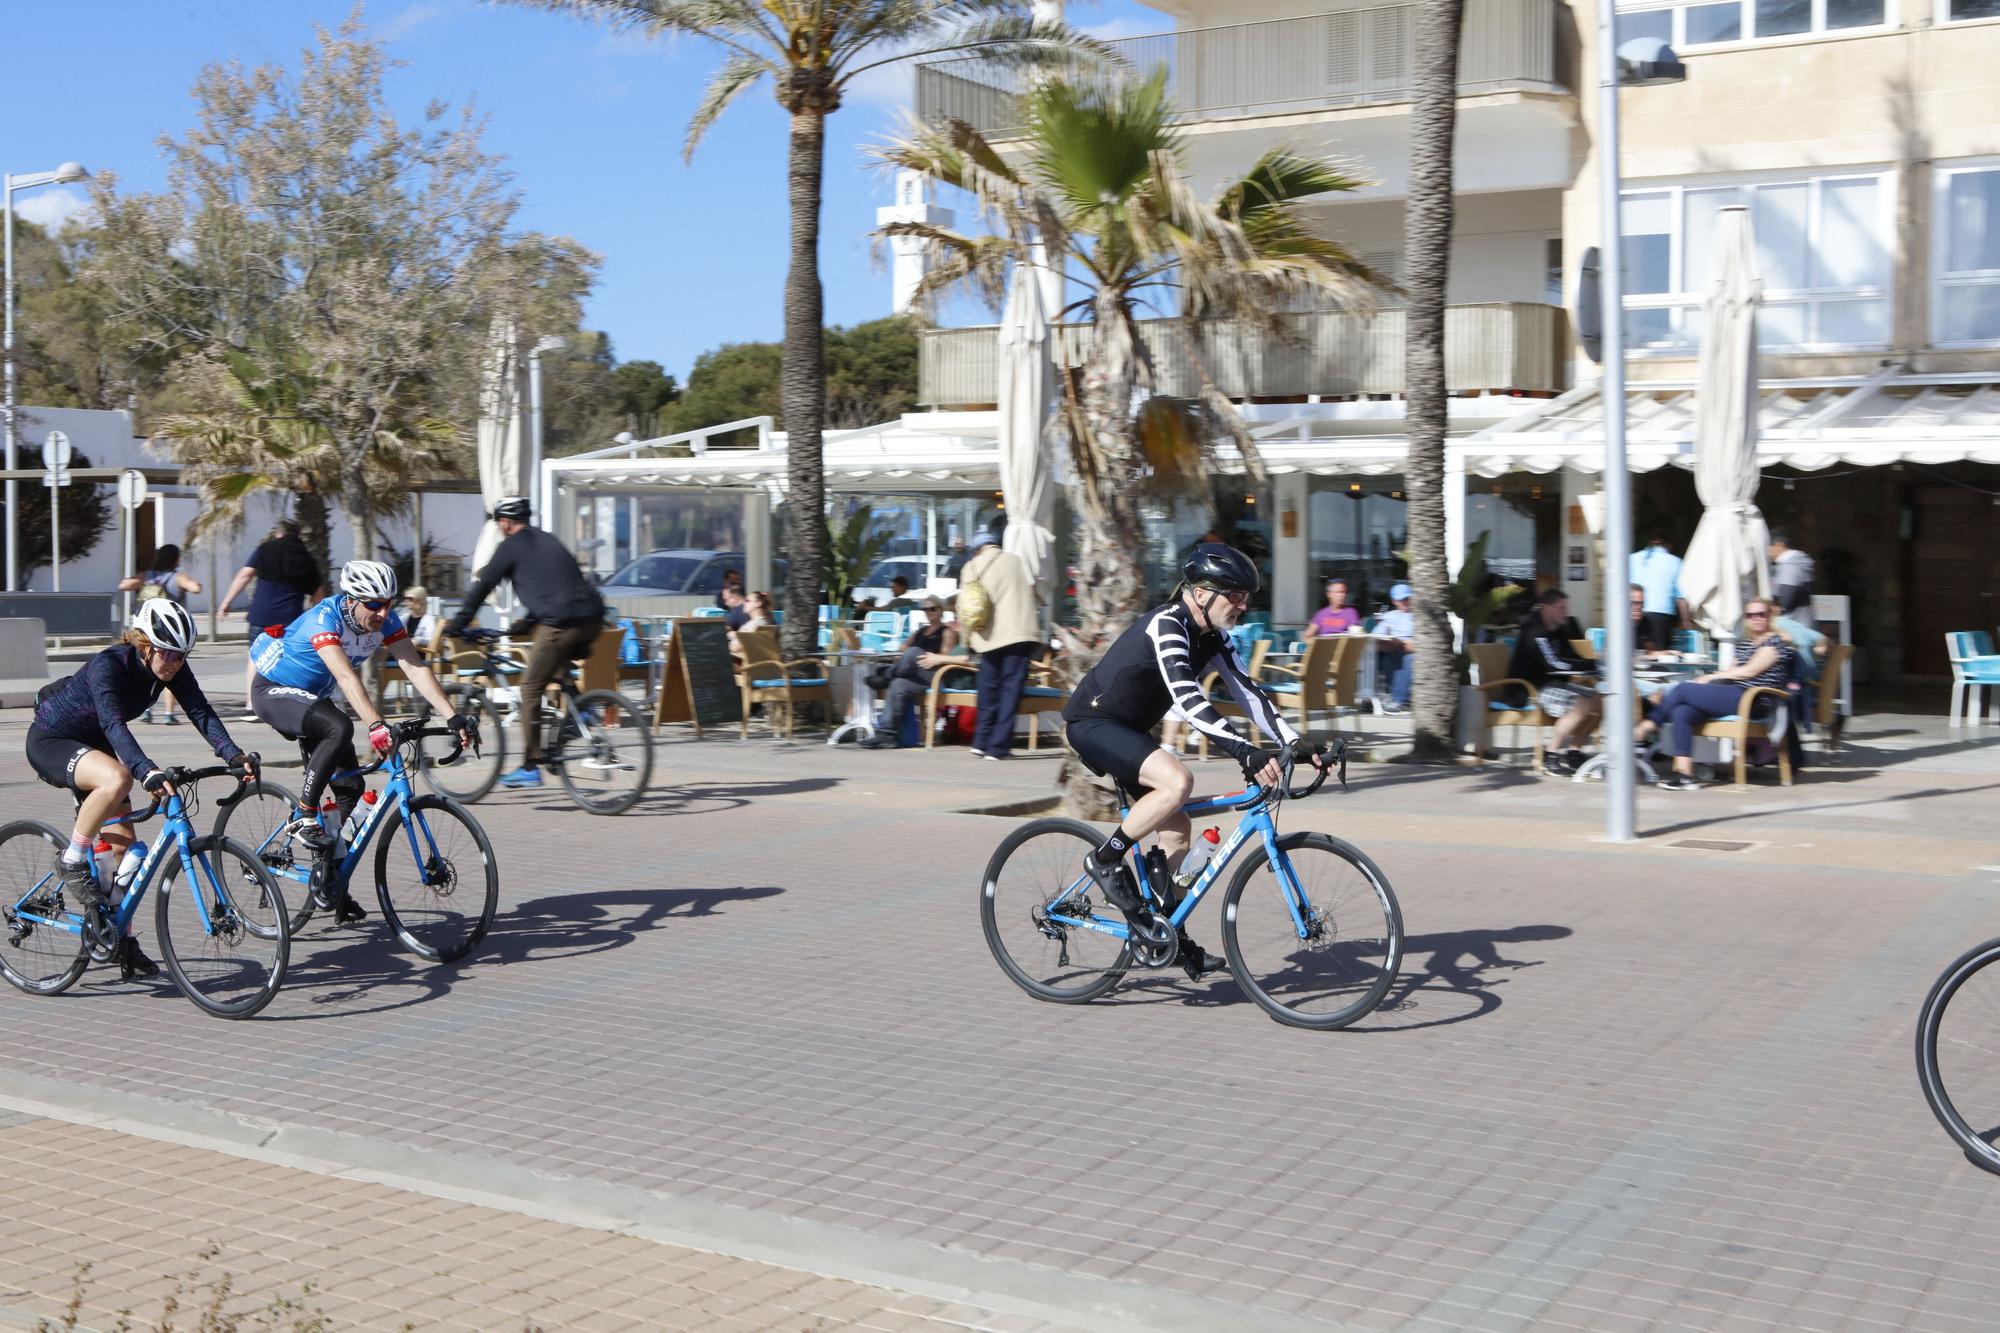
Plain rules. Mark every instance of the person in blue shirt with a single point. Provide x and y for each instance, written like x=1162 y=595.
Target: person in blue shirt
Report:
x=296 y=672
x=1658 y=571
x=81 y=741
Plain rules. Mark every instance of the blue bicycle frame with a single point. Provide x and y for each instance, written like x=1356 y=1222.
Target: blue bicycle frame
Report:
x=396 y=795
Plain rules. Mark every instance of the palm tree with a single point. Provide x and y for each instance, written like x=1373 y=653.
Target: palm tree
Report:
x=811 y=50
x=1427 y=246
x=1097 y=176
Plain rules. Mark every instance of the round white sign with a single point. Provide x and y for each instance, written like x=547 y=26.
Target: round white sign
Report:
x=56 y=451
x=132 y=488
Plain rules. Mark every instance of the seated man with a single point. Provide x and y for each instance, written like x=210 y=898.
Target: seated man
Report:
x=1396 y=653
x=1155 y=667
x=899 y=595
x=1543 y=657
x=905 y=680
x=1647 y=636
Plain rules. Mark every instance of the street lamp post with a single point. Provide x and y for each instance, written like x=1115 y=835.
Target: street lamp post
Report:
x=62 y=175
x=1642 y=63
x=549 y=344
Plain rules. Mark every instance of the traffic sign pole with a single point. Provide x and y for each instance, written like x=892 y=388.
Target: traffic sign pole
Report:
x=131 y=494
x=56 y=454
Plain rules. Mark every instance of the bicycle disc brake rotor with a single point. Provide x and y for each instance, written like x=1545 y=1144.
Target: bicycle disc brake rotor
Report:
x=439 y=876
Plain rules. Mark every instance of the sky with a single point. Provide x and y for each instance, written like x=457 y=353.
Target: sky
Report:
x=591 y=122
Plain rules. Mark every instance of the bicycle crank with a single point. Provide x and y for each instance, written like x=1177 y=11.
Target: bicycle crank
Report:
x=1155 y=942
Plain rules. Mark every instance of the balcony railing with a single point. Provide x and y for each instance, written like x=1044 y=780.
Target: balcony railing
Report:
x=1354 y=57
x=1500 y=347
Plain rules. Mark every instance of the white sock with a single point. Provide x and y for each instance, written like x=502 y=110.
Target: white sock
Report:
x=76 y=853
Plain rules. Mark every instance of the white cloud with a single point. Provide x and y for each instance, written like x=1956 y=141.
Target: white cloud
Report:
x=419 y=15
x=52 y=210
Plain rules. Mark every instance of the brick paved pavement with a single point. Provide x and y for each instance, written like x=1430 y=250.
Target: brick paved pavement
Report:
x=1618 y=1087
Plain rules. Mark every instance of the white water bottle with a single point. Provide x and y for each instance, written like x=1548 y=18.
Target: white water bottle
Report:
x=352 y=828
x=1197 y=857
x=128 y=866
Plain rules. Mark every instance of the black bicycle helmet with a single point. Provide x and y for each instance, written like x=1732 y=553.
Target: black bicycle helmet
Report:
x=1214 y=565
x=514 y=507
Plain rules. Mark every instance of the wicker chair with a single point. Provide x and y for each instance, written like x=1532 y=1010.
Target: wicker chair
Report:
x=779 y=685
x=1490 y=660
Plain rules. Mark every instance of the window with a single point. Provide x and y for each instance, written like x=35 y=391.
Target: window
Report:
x=1685 y=26
x=1956 y=10
x=1966 y=244
x=1822 y=252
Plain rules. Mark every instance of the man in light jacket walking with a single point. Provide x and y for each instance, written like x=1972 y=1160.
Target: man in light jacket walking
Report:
x=1010 y=641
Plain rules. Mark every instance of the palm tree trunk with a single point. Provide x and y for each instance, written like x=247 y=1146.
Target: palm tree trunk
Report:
x=1427 y=247
x=802 y=384
x=311 y=514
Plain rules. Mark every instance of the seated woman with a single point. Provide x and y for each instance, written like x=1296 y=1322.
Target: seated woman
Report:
x=81 y=741
x=1336 y=617
x=1764 y=656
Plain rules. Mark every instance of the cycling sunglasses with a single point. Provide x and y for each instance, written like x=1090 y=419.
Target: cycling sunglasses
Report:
x=377 y=604
x=169 y=654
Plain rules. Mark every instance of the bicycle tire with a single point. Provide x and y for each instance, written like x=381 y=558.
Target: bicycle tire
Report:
x=1042 y=873
x=606 y=749
x=40 y=959
x=417 y=911
x=1356 y=976
x=204 y=960
x=472 y=776
x=1970 y=1033
x=256 y=820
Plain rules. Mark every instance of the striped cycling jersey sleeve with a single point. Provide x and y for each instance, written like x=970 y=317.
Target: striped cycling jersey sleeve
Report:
x=1170 y=652
x=1250 y=697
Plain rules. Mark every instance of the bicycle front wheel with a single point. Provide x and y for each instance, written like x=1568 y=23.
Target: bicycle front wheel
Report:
x=472 y=775
x=257 y=822
x=223 y=930
x=436 y=877
x=42 y=950
x=607 y=763
x=1958 y=1053
x=1317 y=939
x=1041 y=917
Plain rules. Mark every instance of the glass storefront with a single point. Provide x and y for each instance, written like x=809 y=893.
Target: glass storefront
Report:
x=1358 y=532
x=1521 y=515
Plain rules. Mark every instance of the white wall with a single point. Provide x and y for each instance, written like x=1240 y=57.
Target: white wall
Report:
x=1498 y=246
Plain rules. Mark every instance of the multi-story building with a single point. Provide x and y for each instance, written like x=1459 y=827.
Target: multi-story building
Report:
x=1864 y=136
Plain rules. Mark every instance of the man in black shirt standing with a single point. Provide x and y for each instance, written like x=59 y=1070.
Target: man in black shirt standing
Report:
x=568 y=613
x=1543 y=657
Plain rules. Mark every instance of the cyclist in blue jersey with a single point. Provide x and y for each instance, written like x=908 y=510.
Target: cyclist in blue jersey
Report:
x=81 y=741
x=296 y=672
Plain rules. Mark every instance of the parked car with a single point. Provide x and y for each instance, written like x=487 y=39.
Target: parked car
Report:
x=680 y=573
x=917 y=569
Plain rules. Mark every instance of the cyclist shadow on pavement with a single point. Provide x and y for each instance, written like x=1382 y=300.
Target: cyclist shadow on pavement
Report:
x=1445 y=978
x=710 y=799
x=572 y=924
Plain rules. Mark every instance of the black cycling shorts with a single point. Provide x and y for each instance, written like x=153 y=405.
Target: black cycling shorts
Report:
x=54 y=758
x=1111 y=749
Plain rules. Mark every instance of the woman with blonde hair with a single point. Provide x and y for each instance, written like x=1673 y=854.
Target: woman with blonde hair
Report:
x=1764 y=656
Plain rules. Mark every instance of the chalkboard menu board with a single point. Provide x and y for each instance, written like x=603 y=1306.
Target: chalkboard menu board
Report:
x=699 y=684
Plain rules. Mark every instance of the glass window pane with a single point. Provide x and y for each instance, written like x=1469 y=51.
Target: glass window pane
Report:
x=1853 y=13
x=1775 y=18
x=1781 y=326
x=1970 y=313
x=1720 y=23
x=1649 y=328
x=1852 y=251
x=1701 y=208
x=1975 y=9
x=1865 y=322
x=1647 y=222
x=1778 y=215
x=1649 y=23
x=1972 y=221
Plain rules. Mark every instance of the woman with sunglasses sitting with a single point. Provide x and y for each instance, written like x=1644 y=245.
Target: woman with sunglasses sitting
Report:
x=296 y=671
x=81 y=740
x=1764 y=657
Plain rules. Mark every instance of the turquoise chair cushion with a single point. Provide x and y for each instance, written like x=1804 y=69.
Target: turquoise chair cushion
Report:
x=1280 y=687
x=1041 y=692
x=1495 y=706
x=1982 y=643
x=778 y=683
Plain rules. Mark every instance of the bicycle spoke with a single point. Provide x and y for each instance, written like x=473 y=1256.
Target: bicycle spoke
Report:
x=604 y=752
x=41 y=949
x=436 y=877
x=255 y=822
x=1316 y=940
x=225 y=940
x=1959 y=1054
x=1040 y=920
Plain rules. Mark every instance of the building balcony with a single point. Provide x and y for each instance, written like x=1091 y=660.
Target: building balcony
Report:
x=1502 y=347
x=1364 y=57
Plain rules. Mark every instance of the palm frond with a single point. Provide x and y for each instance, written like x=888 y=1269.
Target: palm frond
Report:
x=738 y=73
x=1004 y=39
x=1093 y=146
x=1282 y=176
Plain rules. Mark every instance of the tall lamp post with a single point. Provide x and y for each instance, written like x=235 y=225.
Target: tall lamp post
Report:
x=65 y=174
x=1642 y=62
x=548 y=344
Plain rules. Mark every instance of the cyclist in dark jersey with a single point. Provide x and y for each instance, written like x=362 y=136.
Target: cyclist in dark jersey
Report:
x=1154 y=668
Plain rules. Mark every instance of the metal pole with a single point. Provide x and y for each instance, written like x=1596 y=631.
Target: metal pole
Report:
x=129 y=511
x=55 y=534
x=1620 y=816
x=535 y=432
x=13 y=489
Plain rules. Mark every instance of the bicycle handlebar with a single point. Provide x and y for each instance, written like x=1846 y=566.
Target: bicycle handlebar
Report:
x=1335 y=759
x=407 y=733
x=187 y=777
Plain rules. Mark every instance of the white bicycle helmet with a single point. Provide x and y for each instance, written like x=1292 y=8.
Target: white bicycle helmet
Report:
x=370 y=580
x=166 y=623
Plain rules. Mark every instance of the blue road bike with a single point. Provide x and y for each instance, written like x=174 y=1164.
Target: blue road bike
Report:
x=219 y=915
x=435 y=875
x=1310 y=925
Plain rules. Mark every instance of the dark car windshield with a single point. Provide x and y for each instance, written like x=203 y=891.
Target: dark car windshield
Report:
x=666 y=573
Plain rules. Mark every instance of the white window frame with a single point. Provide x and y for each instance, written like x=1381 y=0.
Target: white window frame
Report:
x=1940 y=280
x=1817 y=32
x=1943 y=16
x=1690 y=298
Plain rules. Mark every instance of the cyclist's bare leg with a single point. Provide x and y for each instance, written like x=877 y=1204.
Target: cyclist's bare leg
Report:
x=109 y=787
x=1169 y=786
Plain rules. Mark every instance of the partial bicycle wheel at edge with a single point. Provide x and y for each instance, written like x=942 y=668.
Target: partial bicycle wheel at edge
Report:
x=436 y=878
x=1348 y=959
x=1958 y=1053
x=39 y=958
x=606 y=766
x=257 y=822
x=222 y=930
x=1041 y=951
x=472 y=775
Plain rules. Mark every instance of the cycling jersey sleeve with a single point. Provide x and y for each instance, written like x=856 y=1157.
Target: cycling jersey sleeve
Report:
x=187 y=690
x=1250 y=697
x=101 y=676
x=393 y=629
x=498 y=568
x=1170 y=652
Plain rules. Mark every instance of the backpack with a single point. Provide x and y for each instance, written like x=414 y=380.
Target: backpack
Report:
x=975 y=607
x=155 y=585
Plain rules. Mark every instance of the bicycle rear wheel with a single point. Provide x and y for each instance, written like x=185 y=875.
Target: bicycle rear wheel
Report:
x=223 y=930
x=1345 y=960
x=42 y=950
x=1958 y=1053
x=256 y=821
x=436 y=877
x=473 y=775
x=1041 y=917
x=606 y=765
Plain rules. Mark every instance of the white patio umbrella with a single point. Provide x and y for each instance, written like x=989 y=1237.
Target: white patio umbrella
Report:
x=503 y=431
x=1726 y=561
x=1027 y=392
